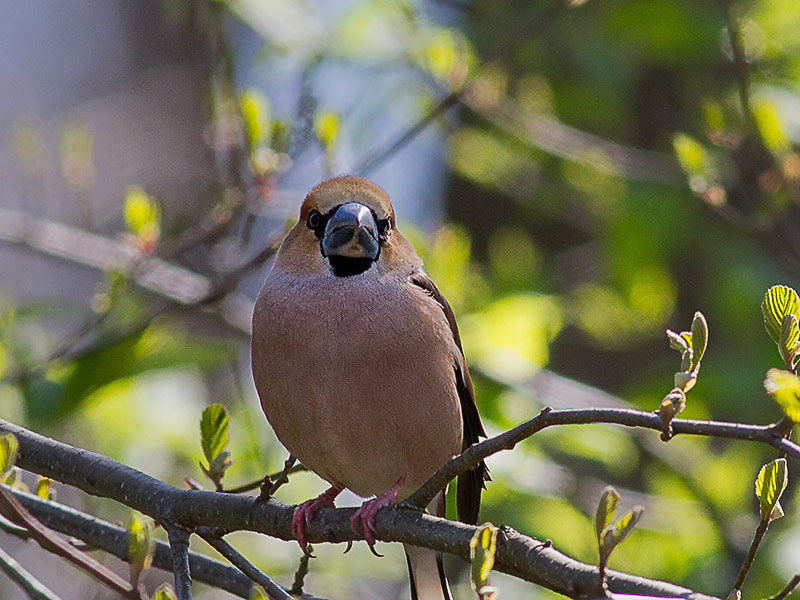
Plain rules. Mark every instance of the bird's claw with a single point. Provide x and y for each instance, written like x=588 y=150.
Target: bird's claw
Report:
x=305 y=512
x=365 y=516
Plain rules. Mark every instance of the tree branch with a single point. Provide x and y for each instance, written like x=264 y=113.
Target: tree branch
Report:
x=517 y=554
x=179 y=548
x=33 y=588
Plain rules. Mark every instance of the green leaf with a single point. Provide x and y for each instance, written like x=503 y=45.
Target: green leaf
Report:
x=326 y=128
x=770 y=127
x=613 y=535
x=44 y=490
x=255 y=112
x=164 y=592
x=141 y=543
x=770 y=483
x=482 y=548
x=691 y=154
x=142 y=215
x=779 y=301
x=699 y=338
x=9 y=446
x=678 y=342
x=605 y=510
x=784 y=387
x=214 y=431
x=258 y=593
x=789 y=336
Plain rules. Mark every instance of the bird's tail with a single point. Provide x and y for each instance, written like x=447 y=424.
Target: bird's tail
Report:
x=425 y=566
x=426 y=574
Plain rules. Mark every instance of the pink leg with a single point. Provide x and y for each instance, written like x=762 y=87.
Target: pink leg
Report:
x=366 y=514
x=305 y=512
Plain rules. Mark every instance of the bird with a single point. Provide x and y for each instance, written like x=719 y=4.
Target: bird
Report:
x=358 y=364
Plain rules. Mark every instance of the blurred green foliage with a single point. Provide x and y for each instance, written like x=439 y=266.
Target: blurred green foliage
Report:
x=558 y=251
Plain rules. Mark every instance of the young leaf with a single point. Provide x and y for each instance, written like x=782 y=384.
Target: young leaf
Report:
x=326 y=128
x=770 y=483
x=789 y=336
x=779 y=301
x=613 y=535
x=141 y=543
x=258 y=593
x=9 y=446
x=43 y=489
x=164 y=592
x=699 y=338
x=605 y=510
x=482 y=548
x=784 y=387
x=677 y=341
x=214 y=431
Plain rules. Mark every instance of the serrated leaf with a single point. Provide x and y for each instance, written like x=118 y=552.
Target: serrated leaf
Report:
x=788 y=338
x=9 y=447
x=779 y=301
x=677 y=341
x=43 y=488
x=784 y=387
x=482 y=548
x=214 y=431
x=258 y=593
x=605 y=510
x=141 y=542
x=164 y=592
x=770 y=483
x=699 y=338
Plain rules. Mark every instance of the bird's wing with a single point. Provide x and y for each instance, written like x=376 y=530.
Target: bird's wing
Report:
x=470 y=484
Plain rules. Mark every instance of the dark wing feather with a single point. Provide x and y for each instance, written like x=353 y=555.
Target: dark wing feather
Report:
x=471 y=483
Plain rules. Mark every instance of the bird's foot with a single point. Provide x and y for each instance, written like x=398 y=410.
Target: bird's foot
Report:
x=305 y=512
x=366 y=514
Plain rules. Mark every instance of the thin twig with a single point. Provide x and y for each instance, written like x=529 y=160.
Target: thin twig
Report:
x=302 y=571
x=52 y=543
x=283 y=477
x=788 y=589
x=539 y=21
x=751 y=554
x=33 y=588
x=240 y=562
x=273 y=478
x=740 y=64
x=179 y=549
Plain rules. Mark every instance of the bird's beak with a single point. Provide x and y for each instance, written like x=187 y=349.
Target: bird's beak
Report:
x=351 y=232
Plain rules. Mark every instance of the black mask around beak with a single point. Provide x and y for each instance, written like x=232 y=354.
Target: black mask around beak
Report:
x=350 y=240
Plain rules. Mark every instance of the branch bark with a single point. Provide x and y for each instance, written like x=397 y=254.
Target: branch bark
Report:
x=517 y=554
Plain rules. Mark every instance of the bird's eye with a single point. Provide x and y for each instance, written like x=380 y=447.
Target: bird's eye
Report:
x=314 y=219
x=384 y=225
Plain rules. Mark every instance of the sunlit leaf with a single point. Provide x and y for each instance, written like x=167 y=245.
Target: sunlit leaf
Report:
x=326 y=128
x=254 y=109
x=43 y=488
x=678 y=341
x=770 y=127
x=258 y=593
x=616 y=533
x=214 y=431
x=770 y=483
x=605 y=510
x=482 y=548
x=784 y=387
x=9 y=446
x=691 y=154
x=142 y=215
x=699 y=338
x=141 y=542
x=789 y=336
x=164 y=592
x=779 y=301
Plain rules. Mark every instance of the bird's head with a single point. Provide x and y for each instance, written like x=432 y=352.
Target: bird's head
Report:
x=346 y=225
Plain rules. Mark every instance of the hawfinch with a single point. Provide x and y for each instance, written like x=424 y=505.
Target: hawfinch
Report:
x=358 y=364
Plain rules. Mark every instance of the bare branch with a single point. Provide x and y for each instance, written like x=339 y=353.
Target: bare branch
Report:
x=751 y=554
x=793 y=582
x=517 y=554
x=240 y=562
x=33 y=588
x=179 y=548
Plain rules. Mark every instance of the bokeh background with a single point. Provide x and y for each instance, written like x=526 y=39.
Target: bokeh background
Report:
x=577 y=176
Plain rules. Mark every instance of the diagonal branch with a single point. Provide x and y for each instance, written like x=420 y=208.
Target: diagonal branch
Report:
x=517 y=554
x=33 y=588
